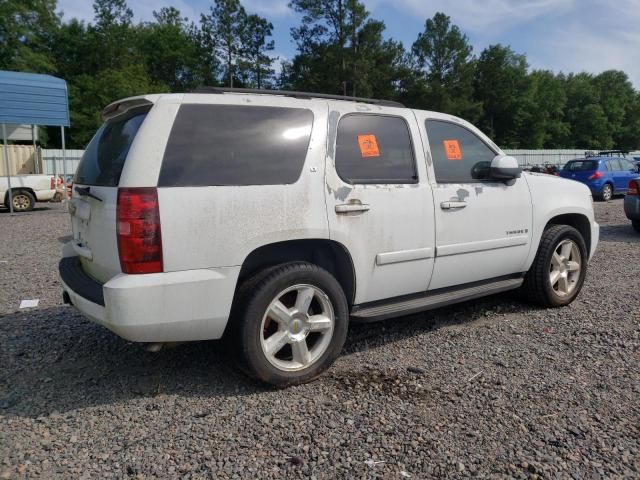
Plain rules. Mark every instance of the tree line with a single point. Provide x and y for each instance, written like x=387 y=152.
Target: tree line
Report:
x=340 y=49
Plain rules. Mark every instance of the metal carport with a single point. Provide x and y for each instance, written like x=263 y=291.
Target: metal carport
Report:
x=32 y=99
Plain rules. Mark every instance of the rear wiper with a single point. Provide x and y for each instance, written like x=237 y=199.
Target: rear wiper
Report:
x=86 y=192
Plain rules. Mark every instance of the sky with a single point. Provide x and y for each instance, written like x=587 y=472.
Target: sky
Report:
x=559 y=35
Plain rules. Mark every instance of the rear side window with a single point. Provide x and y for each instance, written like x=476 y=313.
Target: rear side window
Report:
x=103 y=160
x=459 y=156
x=374 y=149
x=582 y=166
x=236 y=145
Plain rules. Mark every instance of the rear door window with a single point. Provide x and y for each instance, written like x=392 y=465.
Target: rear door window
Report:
x=374 y=149
x=104 y=157
x=236 y=145
x=459 y=155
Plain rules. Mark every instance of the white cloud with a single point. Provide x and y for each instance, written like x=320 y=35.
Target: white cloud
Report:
x=478 y=16
x=80 y=9
x=561 y=35
x=142 y=9
x=574 y=48
x=268 y=8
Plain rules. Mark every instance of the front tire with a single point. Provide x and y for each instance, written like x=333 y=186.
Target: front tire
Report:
x=636 y=225
x=289 y=324
x=558 y=271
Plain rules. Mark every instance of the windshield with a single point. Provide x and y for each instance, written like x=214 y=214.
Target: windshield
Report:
x=104 y=158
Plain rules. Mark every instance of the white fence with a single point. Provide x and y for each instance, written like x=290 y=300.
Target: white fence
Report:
x=525 y=158
x=52 y=161
x=543 y=157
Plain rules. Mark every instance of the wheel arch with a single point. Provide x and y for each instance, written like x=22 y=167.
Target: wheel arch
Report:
x=328 y=254
x=576 y=220
x=610 y=183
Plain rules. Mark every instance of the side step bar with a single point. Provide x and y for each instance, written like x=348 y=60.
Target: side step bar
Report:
x=397 y=307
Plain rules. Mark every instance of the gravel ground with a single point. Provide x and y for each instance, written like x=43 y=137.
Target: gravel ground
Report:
x=491 y=388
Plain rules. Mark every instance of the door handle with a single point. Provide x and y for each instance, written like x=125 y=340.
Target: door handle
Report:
x=452 y=205
x=352 y=207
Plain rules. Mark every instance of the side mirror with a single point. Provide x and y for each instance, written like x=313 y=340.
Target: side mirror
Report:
x=504 y=167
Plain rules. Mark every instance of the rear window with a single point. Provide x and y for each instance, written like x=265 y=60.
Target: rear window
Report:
x=236 y=145
x=104 y=157
x=581 y=166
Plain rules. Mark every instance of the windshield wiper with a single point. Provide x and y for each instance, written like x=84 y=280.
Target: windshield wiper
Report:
x=86 y=192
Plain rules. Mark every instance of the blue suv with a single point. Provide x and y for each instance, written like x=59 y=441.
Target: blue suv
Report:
x=605 y=176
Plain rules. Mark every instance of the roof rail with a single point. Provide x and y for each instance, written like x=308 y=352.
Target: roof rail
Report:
x=287 y=93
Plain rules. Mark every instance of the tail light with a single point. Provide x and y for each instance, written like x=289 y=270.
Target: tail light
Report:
x=139 y=232
x=634 y=188
x=596 y=176
x=52 y=184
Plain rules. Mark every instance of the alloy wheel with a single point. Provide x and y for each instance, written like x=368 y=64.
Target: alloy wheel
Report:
x=566 y=264
x=297 y=327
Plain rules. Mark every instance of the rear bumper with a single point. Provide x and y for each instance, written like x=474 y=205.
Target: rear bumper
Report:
x=632 y=207
x=158 y=307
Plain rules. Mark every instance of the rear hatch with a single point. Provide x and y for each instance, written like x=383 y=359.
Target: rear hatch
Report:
x=579 y=170
x=95 y=192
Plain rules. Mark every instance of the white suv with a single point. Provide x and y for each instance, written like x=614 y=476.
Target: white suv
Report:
x=275 y=218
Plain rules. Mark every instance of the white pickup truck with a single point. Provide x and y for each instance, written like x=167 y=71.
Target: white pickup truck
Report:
x=26 y=190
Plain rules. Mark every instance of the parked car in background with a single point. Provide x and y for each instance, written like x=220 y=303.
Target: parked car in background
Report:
x=605 y=176
x=551 y=169
x=26 y=190
x=632 y=203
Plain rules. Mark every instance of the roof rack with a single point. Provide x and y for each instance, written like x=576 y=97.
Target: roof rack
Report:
x=610 y=153
x=287 y=93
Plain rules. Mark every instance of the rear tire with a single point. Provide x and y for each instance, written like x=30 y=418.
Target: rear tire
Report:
x=607 y=193
x=558 y=271
x=22 y=201
x=289 y=324
x=636 y=225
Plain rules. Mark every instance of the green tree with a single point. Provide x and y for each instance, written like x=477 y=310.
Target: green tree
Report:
x=501 y=84
x=628 y=137
x=170 y=49
x=329 y=24
x=223 y=29
x=545 y=101
x=616 y=95
x=589 y=127
x=341 y=50
x=26 y=29
x=444 y=60
x=256 y=62
x=112 y=35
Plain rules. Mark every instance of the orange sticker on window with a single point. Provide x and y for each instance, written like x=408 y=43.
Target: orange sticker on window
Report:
x=452 y=150
x=368 y=146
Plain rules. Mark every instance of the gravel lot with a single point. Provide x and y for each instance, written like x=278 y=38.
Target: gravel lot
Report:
x=491 y=388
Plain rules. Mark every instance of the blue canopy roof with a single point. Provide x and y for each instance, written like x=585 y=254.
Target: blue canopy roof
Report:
x=33 y=99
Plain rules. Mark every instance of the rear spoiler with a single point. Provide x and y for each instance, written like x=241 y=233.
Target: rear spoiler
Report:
x=121 y=106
